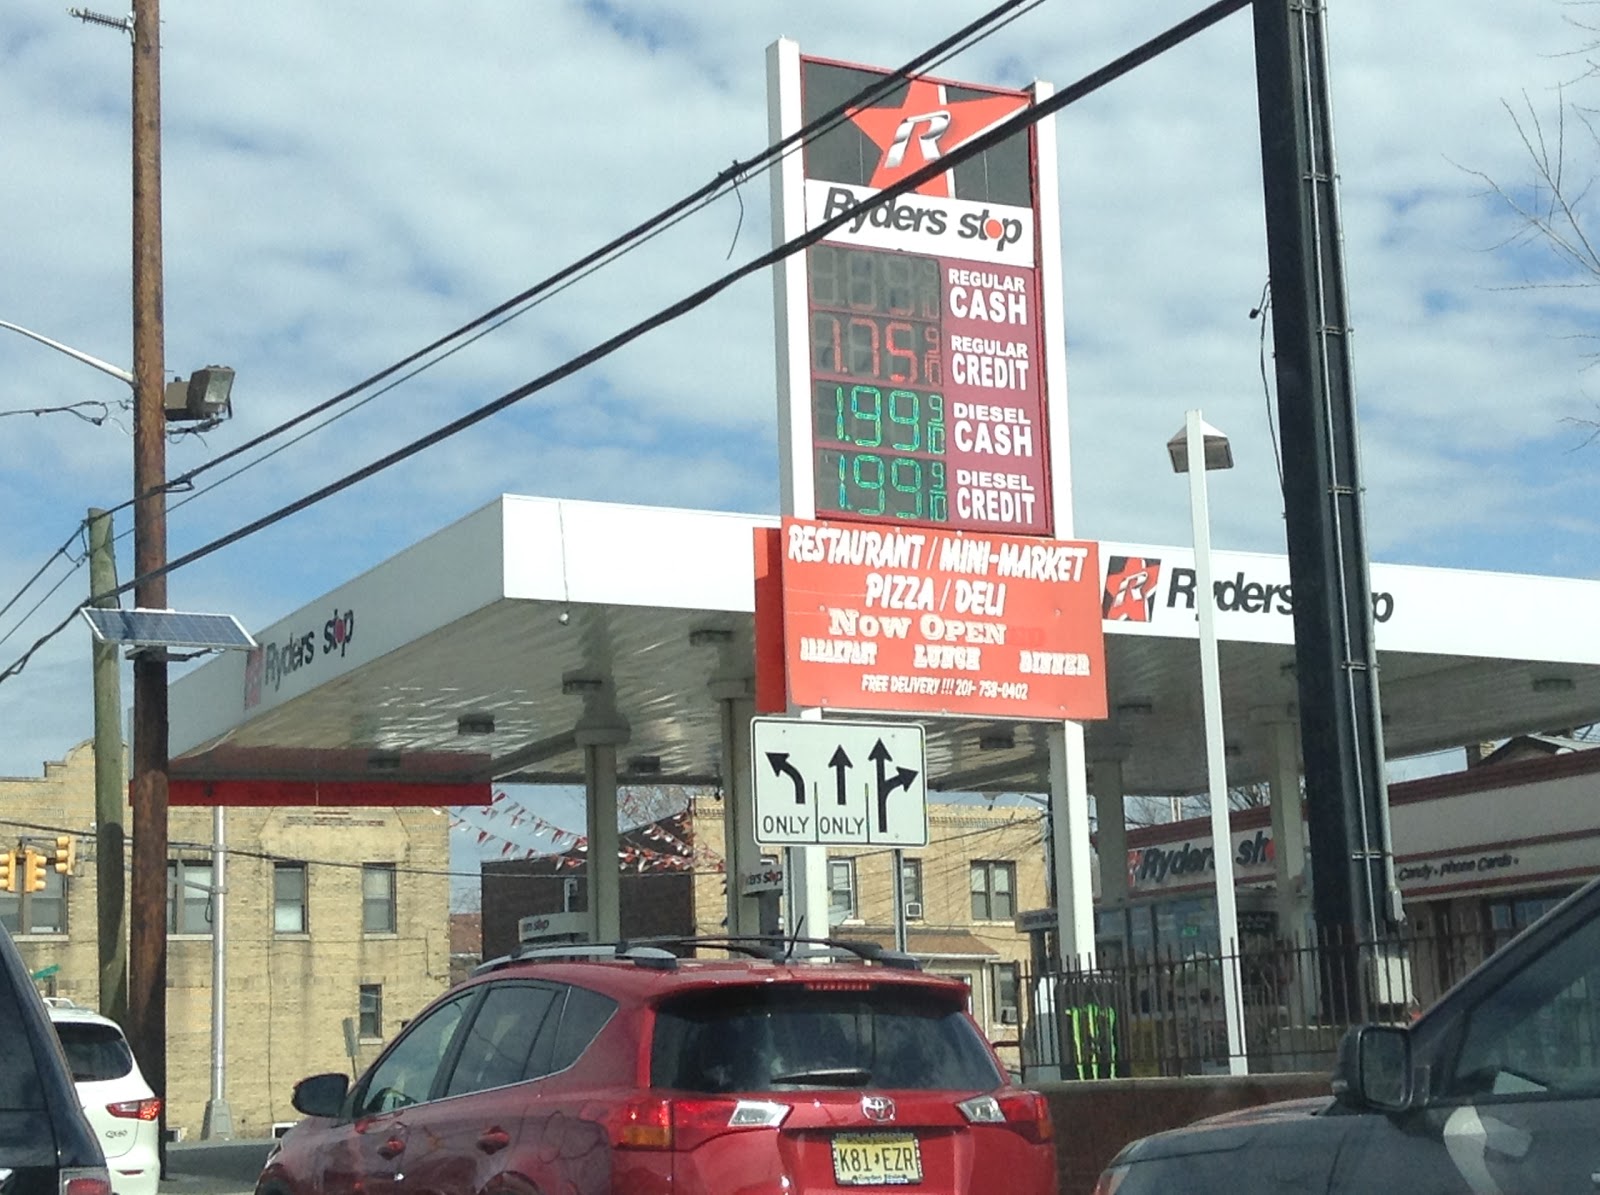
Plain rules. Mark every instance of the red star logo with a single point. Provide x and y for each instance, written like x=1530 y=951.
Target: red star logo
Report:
x=925 y=128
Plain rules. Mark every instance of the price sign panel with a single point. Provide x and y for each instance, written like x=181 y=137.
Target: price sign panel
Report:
x=925 y=397
x=913 y=372
x=838 y=783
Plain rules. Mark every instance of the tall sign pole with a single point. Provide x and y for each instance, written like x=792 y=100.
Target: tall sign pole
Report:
x=1336 y=661
x=922 y=400
x=147 y=949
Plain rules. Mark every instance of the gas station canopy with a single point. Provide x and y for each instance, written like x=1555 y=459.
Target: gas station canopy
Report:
x=482 y=653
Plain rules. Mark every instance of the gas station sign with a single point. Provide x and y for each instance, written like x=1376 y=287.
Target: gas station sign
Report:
x=915 y=620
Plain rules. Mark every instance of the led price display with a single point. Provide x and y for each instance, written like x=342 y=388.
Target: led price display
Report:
x=877 y=389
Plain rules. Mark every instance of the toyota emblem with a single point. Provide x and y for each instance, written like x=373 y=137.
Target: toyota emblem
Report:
x=878 y=1108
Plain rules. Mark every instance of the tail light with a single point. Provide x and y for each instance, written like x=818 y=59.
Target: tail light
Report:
x=1027 y=1112
x=656 y=1122
x=85 y=1182
x=136 y=1109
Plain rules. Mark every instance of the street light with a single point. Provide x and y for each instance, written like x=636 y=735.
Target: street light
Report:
x=1198 y=441
x=133 y=967
x=203 y=395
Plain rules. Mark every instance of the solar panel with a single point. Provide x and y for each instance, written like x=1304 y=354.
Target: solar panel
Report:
x=167 y=628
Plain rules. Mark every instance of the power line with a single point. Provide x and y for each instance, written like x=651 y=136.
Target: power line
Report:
x=1008 y=128
x=972 y=34
x=630 y=240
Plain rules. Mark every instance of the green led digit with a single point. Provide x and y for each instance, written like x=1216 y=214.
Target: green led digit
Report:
x=872 y=416
x=874 y=484
x=904 y=411
x=938 y=500
x=936 y=424
x=905 y=475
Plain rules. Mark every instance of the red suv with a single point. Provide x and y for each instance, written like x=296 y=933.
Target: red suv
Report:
x=633 y=1070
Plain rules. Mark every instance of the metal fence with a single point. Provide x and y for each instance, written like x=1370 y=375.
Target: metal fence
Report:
x=1163 y=1014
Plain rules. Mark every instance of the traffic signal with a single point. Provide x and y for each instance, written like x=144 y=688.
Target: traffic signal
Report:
x=66 y=852
x=32 y=871
x=8 y=871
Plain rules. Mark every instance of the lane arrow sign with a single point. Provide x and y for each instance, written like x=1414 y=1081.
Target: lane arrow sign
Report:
x=887 y=784
x=782 y=767
x=840 y=763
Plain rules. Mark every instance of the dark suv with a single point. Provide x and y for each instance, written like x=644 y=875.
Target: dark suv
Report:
x=46 y=1145
x=1496 y=1089
x=634 y=1070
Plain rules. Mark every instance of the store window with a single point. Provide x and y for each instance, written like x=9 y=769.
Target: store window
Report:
x=188 y=896
x=1508 y=918
x=371 y=1010
x=377 y=899
x=994 y=886
x=288 y=898
x=841 y=889
x=1007 y=981
x=911 y=888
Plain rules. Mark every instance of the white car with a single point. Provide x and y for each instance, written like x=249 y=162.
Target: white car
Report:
x=124 y=1112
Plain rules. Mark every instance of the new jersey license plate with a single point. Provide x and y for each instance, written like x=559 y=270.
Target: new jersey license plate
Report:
x=876 y=1159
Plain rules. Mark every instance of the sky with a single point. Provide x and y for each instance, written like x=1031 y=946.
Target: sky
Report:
x=343 y=184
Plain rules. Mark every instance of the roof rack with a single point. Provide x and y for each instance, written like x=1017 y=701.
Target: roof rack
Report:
x=640 y=955
x=659 y=952
x=777 y=948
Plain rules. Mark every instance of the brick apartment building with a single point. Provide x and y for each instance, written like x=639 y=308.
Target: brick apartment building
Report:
x=330 y=914
x=982 y=865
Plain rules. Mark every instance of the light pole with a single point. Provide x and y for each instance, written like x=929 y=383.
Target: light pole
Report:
x=1199 y=442
x=125 y=963
x=110 y=796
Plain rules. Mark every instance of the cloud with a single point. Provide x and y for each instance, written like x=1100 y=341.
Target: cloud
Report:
x=344 y=184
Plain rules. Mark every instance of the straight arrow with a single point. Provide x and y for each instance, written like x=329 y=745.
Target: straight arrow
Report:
x=840 y=763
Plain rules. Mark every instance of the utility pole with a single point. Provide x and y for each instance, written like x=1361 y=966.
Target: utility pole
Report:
x=147 y=948
x=1336 y=662
x=110 y=793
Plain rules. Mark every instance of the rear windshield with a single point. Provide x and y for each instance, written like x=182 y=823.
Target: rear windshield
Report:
x=784 y=1036
x=94 y=1052
x=19 y=1079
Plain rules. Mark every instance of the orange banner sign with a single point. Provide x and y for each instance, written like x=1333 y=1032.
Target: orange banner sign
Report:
x=914 y=620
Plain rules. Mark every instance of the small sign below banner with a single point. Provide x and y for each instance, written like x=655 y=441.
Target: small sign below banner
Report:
x=838 y=783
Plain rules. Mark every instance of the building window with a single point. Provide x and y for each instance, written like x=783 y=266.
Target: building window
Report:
x=188 y=897
x=1005 y=993
x=993 y=889
x=911 y=888
x=43 y=912
x=371 y=1021
x=841 y=889
x=288 y=898
x=377 y=898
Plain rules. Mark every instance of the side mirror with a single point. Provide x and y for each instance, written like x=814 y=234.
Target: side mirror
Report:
x=321 y=1095
x=1374 y=1069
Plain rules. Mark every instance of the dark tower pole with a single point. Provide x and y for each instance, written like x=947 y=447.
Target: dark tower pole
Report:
x=1336 y=664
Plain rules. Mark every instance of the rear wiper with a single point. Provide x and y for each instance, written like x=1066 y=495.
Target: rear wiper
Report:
x=836 y=1076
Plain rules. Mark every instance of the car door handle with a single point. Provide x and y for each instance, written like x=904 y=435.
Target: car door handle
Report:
x=393 y=1147
x=494 y=1139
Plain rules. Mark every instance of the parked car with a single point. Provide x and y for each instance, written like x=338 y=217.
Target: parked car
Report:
x=122 y=1110
x=46 y=1144
x=1496 y=1089
x=642 y=1072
